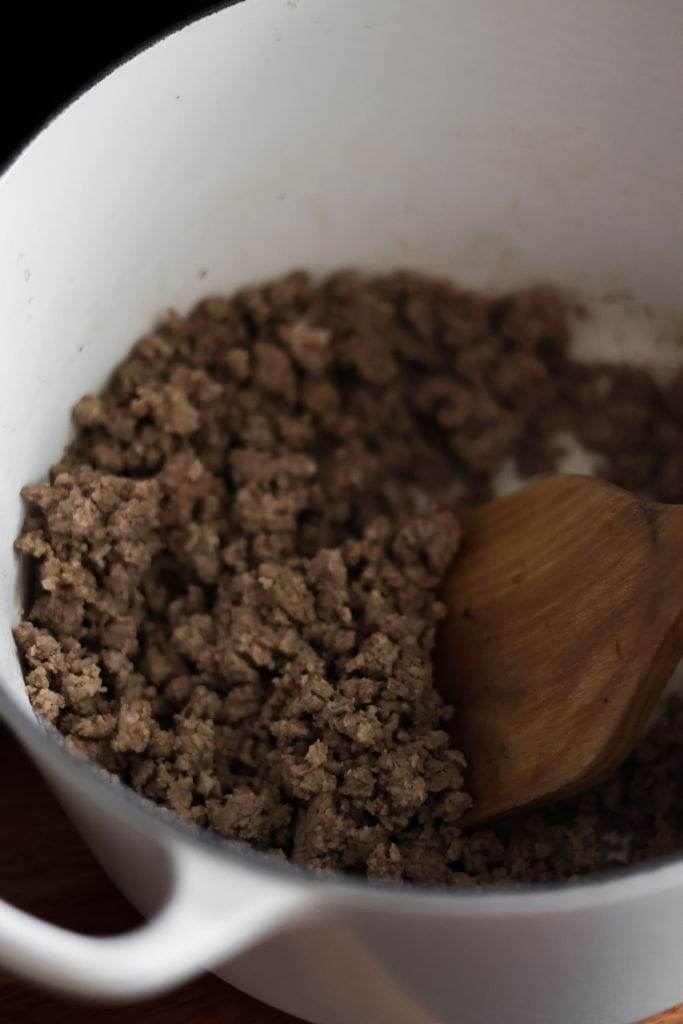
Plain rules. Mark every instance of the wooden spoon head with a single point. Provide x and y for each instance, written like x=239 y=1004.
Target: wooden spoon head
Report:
x=563 y=626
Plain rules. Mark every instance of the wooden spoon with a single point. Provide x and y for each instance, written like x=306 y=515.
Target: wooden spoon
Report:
x=565 y=621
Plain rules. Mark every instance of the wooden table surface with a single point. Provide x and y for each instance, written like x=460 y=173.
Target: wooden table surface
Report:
x=47 y=870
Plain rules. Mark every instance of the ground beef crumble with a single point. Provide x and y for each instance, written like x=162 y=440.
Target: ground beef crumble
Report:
x=237 y=562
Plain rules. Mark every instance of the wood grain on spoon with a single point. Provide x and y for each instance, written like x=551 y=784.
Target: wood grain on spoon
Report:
x=564 y=624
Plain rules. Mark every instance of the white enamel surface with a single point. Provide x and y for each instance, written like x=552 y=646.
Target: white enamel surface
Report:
x=618 y=329
x=493 y=141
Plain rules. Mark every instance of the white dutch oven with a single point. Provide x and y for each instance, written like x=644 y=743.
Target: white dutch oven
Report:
x=492 y=140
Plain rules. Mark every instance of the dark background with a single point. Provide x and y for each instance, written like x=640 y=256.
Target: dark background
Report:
x=49 y=52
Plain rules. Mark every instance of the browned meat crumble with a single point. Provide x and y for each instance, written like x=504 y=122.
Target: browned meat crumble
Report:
x=237 y=562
